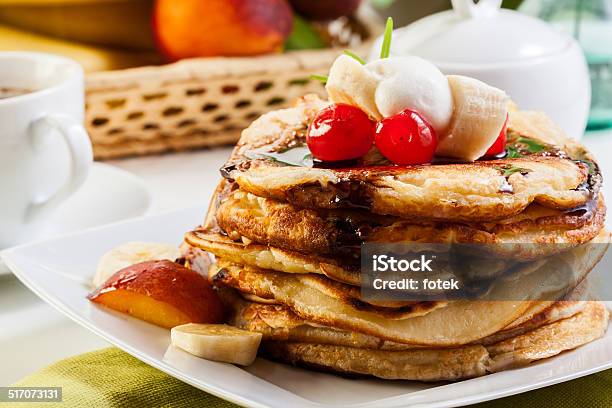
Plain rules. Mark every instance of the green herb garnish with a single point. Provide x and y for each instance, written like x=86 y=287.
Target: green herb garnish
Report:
x=386 y=45
x=297 y=156
x=520 y=146
x=532 y=145
x=354 y=56
x=509 y=170
x=321 y=78
x=513 y=153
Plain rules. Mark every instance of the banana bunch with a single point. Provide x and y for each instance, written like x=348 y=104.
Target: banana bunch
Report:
x=101 y=35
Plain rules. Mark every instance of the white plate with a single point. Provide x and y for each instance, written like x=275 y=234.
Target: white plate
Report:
x=59 y=271
x=114 y=193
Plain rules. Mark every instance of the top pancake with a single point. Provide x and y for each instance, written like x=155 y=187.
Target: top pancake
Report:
x=544 y=167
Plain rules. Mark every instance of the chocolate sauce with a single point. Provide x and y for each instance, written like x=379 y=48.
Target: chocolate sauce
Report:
x=351 y=194
x=345 y=164
x=593 y=182
x=351 y=233
x=587 y=210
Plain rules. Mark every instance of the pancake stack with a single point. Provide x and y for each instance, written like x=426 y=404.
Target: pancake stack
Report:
x=286 y=237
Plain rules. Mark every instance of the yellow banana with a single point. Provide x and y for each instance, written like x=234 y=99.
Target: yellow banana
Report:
x=91 y=58
x=118 y=23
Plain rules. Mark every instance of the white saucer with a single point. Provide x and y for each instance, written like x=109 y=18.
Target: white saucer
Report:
x=109 y=195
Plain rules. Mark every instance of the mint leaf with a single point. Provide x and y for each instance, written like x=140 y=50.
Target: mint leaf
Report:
x=521 y=146
x=297 y=156
x=354 y=56
x=513 y=153
x=386 y=45
x=532 y=145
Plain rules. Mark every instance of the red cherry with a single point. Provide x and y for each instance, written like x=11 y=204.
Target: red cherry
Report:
x=499 y=146
x=340 y=132
x=406 y=138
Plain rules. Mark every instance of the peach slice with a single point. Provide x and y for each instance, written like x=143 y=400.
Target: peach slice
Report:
x=161 y=292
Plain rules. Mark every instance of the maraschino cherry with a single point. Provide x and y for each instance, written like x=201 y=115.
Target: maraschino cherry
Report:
x=406 y=138
x=340 y=132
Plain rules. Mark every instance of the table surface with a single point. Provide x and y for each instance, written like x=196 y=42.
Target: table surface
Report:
x=35 y=335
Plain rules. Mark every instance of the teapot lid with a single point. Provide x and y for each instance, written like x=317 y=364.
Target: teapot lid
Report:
x=476 y=33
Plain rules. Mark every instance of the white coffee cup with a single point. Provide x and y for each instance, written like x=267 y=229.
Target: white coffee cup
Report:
x=45 y=153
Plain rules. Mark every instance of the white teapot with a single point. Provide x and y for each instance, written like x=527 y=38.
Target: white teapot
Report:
x=540 y=68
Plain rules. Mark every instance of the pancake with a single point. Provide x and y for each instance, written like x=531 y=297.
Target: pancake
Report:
x=459 y=322
x=549 y=309
x=279 y=323
x=562 y=175
x=246 y=217
x=547 y=341
x=279 y=287
x=448 y=364
x=420 y=365
x=265 y=257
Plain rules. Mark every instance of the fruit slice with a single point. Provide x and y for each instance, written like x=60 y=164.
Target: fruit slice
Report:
x=132 y=253
x=161 y=292
x=218 y=342
x=479 y=115
x=351 y=83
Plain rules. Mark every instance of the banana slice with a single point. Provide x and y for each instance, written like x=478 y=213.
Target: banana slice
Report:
x=350 y=82
x=132 y=253
x=479 y=114
x=217 y=342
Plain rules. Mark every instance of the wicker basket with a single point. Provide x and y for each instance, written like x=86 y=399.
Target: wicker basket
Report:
x=193 y=103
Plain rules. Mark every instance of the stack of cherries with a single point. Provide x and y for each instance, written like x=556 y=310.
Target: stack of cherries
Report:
x=344 y=132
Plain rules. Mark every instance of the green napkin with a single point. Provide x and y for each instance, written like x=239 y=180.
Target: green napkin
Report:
x=112 y=378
